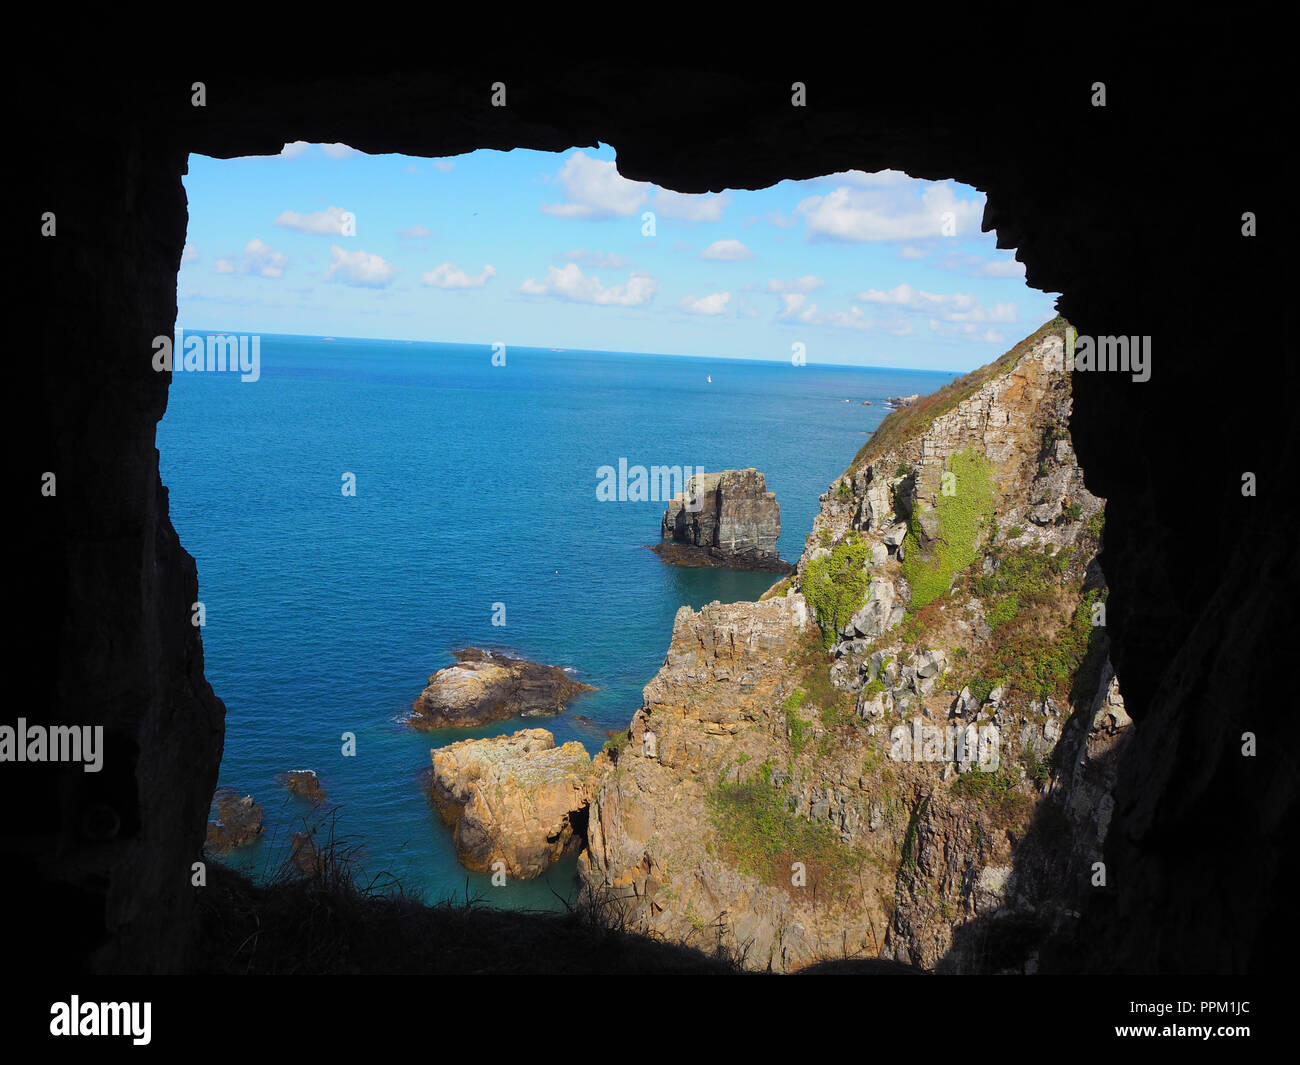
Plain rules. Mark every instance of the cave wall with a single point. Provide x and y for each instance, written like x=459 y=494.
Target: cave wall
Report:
x=1131 y=211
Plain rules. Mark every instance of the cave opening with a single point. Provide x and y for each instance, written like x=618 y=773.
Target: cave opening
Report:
x=1121 y=269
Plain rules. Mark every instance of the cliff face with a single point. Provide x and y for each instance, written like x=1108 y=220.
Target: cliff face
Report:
x=727 y=518
x=907 y=749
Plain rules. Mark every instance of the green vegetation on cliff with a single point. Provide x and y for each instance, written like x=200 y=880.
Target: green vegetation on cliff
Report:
x=960 y=517
x=1042 y=621
x=758 y=835
x=835 y=586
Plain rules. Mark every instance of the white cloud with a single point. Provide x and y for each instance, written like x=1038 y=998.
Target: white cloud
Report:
x=444 y=165
x=791 y=303
x=596 y=259
x=332 y=220
x=715 y=303
x=853 y=318
x=977 y=266
x=294 y=150
x=688 y=207
x=415 y=232
x=593 y=188
x=879 y=180
x=950 y=307
x=190 y=254
x=891 y=211
x=258 y=257
x=261 y=258
x=449 y=275
x=909 y=252
x=966 y=331
x=726 y=251
x=412 y=169
x=795 y=308
x=338 y=151
x=360 y=268
x=807 y=283
x=569 y=283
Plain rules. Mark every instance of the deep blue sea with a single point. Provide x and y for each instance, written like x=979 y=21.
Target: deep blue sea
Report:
x=475 y=485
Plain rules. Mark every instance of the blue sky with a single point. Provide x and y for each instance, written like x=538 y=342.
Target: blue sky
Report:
x=547 y=249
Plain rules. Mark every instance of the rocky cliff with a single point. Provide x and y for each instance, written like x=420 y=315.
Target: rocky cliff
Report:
x=907 y=749
x=724 y=519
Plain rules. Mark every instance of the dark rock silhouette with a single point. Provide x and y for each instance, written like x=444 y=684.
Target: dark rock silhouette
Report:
x=1200 y=853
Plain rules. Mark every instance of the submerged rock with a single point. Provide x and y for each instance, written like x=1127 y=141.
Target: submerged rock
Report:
x=484 y=687
x=515 y=799
x=303 y=783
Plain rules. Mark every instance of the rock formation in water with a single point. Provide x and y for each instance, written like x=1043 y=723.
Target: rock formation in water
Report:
x=485 y=686
x=303 y=783
x=238 y=822
x=856 y=764
x=723 y=519
x=515 y=799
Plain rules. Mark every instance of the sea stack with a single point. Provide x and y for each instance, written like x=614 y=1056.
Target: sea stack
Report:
x=723 y=519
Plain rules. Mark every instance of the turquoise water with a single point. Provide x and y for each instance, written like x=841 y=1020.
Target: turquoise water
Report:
x=475 y=485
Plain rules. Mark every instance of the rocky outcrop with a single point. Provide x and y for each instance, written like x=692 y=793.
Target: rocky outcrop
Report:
x=303 y=783
x=723 y=519
x=304 y=855
x=857 y=764
x=514 y=799
x=238 y=822
x=485 y=686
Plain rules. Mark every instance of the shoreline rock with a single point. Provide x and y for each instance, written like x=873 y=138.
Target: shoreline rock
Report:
x=485 y=686
x=517 y=799
x=675 y=554
x=238 y=822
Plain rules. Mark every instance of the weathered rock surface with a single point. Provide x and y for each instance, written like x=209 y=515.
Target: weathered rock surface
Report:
x=724 y=519
x=303 y=783
x=484 y=686
x=304 y=855
x=832 y=839
x=238 y=822
x=516 y=799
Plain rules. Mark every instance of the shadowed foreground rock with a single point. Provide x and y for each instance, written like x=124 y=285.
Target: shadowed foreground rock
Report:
x=484 y=687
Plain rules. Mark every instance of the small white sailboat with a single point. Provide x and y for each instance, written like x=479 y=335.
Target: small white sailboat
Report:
x=709 y=379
